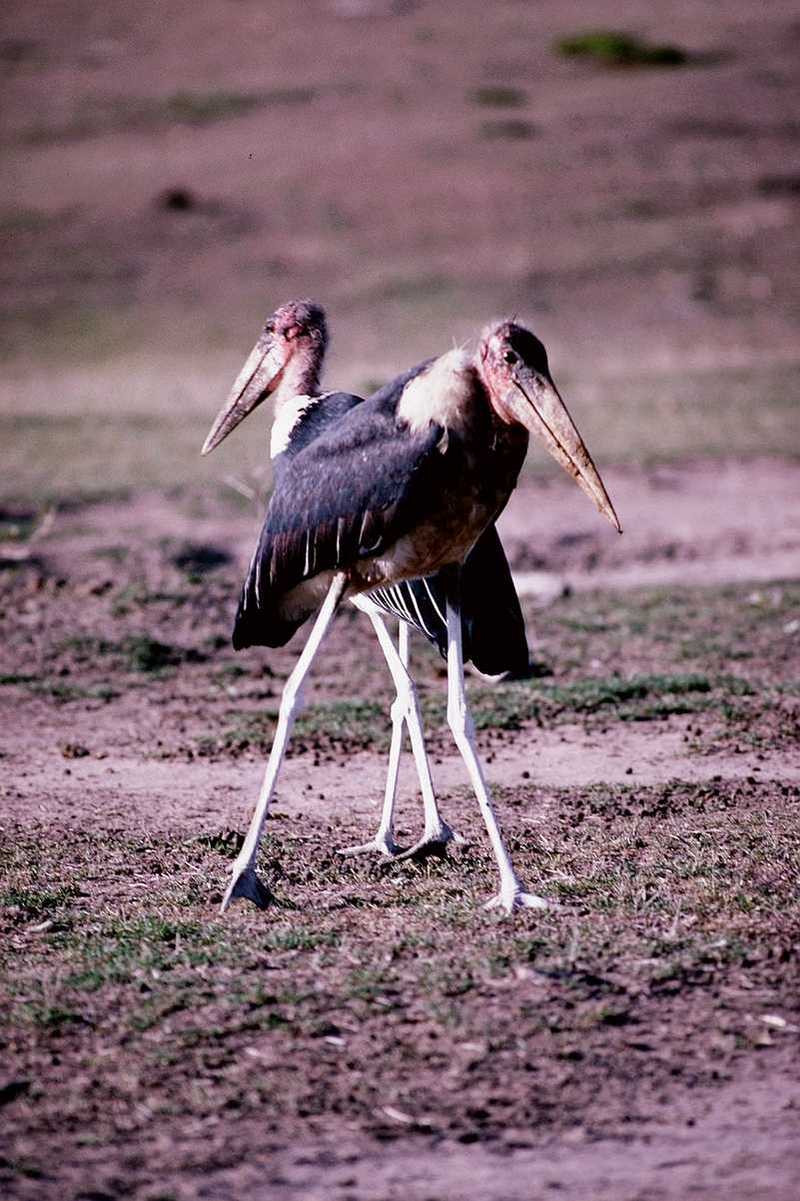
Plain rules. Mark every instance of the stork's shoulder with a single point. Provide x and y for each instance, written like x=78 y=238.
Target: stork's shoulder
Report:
x=439 y=394
x=302 y=419
x=371 y=430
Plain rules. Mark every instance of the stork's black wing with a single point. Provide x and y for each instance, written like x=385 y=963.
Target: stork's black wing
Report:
x=492 y=625
x=350 y=494
x=318 y=414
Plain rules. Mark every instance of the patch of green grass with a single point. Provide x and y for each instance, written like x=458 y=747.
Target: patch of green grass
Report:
x=22 y=221
x=71 y=452
x=589 y=695
x=640 y=697
x=711 y=633
x=498 y=97
x=76 y=692
x=613 y=48
x=343 y=720
x=128 y=598
x=710 y=410
x=414 y=288
x=135 y=652
x=52 y=456
x=94 y=116
x=366 y=983
x=202 y=108
x=59 y=691
x=35 y=903
x=25 y=1168
x=17 y=528
x=354 y=723
x=53 y=1017
x=114 y=554
x=637 y=698
x=146 y=654
x=668 y=894
x=299 y=939
x=229 y=671
x=124 y=950
x=226 y=842
x=512 y=129
x=450 y=980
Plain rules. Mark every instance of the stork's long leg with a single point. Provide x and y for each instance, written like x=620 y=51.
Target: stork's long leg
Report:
x=436 y=833
x=511 y=894
x=384 y=842
x=244 y=881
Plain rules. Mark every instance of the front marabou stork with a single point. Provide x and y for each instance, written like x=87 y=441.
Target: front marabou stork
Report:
x=286 y=363
x=399 y=488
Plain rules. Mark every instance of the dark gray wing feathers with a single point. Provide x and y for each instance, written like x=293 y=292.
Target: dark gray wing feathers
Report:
x=348 y=495
x=328 y=509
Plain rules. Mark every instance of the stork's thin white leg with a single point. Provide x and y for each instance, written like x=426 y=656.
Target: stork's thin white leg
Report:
x=436 y=833
x=384 y=841
x=511 y=895
x=244 y=881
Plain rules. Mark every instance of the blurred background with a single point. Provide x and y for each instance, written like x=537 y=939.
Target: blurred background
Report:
x=173 y=170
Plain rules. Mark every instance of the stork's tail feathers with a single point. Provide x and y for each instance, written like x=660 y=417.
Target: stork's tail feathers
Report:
x=492 y=625
x=260 y=624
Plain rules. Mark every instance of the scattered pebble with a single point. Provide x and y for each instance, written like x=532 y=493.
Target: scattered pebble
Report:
x=74 y=750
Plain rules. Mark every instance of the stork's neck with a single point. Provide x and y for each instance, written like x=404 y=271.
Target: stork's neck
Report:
x=300 y=376
x=297 y=392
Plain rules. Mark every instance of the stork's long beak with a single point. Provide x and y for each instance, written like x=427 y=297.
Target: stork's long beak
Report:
x=534 y=400
x=258 y=378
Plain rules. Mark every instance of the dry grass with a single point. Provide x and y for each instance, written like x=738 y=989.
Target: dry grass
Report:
x=666 y=897
x=141 y=424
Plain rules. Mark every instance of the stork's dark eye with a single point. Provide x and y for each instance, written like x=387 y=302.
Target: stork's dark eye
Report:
x=511 y=357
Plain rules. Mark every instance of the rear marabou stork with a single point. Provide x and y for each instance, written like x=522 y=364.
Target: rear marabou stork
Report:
x=288 y=357
x=399 y=488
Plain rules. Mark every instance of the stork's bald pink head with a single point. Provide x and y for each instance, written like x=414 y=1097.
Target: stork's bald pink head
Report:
x=298 y=323
x=289 y=353
x=512 y=363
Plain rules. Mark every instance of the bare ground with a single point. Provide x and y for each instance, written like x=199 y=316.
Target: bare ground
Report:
x=171 y=172
x=376 y=1035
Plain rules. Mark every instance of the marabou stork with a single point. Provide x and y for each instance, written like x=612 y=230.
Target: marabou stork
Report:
x=289 y=356
x=400 y=487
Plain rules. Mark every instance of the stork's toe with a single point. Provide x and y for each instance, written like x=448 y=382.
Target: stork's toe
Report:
x=510 y=899
x=433 y=844
x=381 y=844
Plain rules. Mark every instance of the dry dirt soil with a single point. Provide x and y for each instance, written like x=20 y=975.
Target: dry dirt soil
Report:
x=375 y=1033
x=171 y=172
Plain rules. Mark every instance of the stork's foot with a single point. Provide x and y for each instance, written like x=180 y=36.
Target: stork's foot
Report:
x=245 y=883
x=381 y=844
x=433 y=844
x=515 y=897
